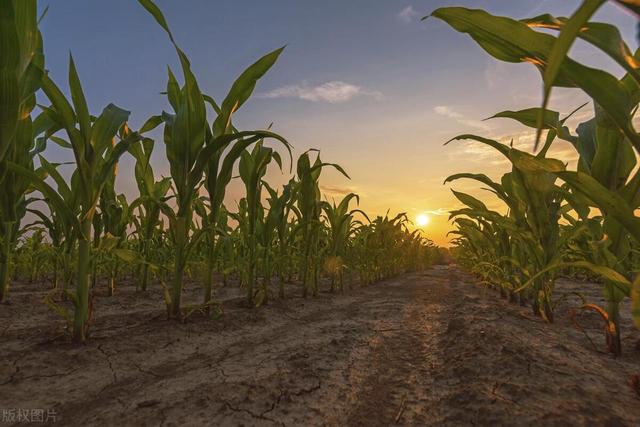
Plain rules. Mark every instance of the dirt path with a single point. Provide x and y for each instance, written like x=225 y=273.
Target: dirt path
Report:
x=424 y=349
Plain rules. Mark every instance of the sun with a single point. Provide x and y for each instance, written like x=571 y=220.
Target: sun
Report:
x=422 y=220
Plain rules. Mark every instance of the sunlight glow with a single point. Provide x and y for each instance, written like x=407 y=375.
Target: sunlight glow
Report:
x=422 y=220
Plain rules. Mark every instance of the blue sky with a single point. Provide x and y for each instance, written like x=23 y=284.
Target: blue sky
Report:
x=364 y=81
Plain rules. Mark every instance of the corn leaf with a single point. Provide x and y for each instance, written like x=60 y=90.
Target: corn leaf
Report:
x=608 y=201
x=242 y=89
x=513 y=41
x=561 y=48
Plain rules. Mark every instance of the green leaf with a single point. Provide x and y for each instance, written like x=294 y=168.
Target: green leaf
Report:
x=603 y=272
x=61 y=142
x=513 y=41
x=609 y=202
x=529 y=117
x=54 y=198
x=470 y=201
x=604 y=36
x=217 y=180
x=127 y=255
x=336 y=166
x=532 y=164
x=79 y=101
x=502 y=148
x=107 y=170
x=151 y=123
x=64 y=112
x=50 y=169
x=561 y=48
x=106 y=127
x=157 y=14
x=9 y=63
x=242 y=89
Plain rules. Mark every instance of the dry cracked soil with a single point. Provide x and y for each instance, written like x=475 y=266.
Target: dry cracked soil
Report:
x=428 y=348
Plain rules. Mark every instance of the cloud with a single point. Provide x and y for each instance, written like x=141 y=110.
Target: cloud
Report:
x=443 y=110
x=447 y=111
x=333 y=92
x=439 y=212
x=489 y=156
x=476 y=152
x=336 y=190
x=408 y=14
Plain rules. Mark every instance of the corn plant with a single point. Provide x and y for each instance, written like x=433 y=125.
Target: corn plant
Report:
x=21 y=71
x=607 y=165
x=87 y=233
x=606 y=176
x=528 y=238
x=218 y=173
x=225 y=246
x=116 y=216
x=193 y=148
x=341 y=226
x=386 y=247
x=607 y=144
x=253 y=167
x=95 y=159
x=60 y=264
x=277 y=220
x=33 y=249
x=309 y=207
x=149 y=204
x=60 y=223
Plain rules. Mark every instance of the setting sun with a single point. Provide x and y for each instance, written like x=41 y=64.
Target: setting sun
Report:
x=422 y=220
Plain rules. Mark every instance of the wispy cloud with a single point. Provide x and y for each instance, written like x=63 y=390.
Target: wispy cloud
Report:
x=333 y=92
x=524 y=141
x=408 y=14
x=447 y=111
x=337 y=190
x=439 y=212
x=332 y=191
x=443 y=110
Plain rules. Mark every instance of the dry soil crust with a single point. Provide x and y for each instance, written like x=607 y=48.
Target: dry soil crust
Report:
x=429 y=348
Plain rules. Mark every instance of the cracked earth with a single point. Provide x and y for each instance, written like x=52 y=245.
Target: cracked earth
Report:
x=429 y=348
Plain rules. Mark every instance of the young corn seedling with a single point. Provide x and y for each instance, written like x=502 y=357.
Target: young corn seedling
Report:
x=116 y=217
x=253 y=167
x=150 y=203
x=280 y=207
x=61 y=226
x=95 y=158
x=341 y=226
x=218 y=173
x=193 y=149
x=309 y=208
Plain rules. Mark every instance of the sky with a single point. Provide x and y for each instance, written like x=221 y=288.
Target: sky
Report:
x=368 y=83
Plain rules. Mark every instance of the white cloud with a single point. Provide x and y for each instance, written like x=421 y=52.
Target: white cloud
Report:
x=439 y=212
x=443 y=110
x=447 y=111
x=333 y=92
x=408 y=14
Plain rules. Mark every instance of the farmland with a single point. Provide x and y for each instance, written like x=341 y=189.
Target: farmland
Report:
x=408 y=349
x=233 y=282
